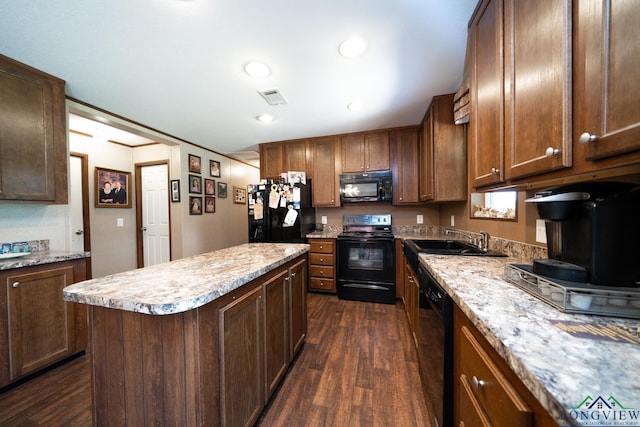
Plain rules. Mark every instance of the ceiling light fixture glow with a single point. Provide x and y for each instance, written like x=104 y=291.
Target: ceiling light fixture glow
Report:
x=355 y=106
x=265 y=118
x=352 y=47
x=257 y=70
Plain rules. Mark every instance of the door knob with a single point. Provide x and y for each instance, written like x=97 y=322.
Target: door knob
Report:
x=143 y=228
x=79 y=232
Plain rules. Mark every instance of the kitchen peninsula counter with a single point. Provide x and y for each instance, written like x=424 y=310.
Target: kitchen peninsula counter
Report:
x=184 y=284
x=203 y=340
x=559 y=369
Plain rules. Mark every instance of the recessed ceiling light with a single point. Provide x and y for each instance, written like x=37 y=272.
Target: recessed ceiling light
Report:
x=355 y=106
x=257 y=70
x=265 y=118
x=352 y=47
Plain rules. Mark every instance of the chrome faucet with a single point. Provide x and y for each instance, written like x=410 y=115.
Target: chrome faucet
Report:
x=481 y=242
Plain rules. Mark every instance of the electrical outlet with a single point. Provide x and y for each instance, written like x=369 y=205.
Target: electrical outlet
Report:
x=453 y=220
x=120 y=222
x=323 y=219
x=419 y=219
x=541 y=235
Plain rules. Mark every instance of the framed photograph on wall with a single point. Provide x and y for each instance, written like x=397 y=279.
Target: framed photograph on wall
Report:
x=175 y=190
x=195 y=205
x=112 y=188
x=214 y=168
x=222 y=190
x=239 y=195
x=209 y=187
x=195 y=184
x=194 y=164
x=210 y=204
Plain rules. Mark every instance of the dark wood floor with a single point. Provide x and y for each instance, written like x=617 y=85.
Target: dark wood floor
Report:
x=357 y=368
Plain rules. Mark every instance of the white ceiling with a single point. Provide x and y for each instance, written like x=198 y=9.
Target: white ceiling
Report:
x=177 y=66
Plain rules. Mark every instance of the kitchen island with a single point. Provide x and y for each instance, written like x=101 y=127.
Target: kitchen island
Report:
x=582 y=369
x=203 y=340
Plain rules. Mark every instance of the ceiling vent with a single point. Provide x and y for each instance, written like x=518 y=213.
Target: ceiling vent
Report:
x=273 y=96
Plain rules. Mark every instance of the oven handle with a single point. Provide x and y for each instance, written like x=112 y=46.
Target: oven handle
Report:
x=365 y=286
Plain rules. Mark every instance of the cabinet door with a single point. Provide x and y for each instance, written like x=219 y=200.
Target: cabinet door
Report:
x=325 y=174
x=405 y=166
x=376 y=151
x=298 y=306
x=276 y=306
x=353 y=148
x=242 y=379
x=606 y=63
x=486 y=124
x=271 y=160
x=295 y=156
x=449 y=167
x=426 y=158
x=537 y=86
x=33 y=144
x=41 y=323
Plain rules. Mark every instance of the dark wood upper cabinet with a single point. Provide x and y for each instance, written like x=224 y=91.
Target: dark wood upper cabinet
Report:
x=537 y=86
x=405 y=166
x=364 y=152
x=606 y=64
x=326 y=172
x=33 y=143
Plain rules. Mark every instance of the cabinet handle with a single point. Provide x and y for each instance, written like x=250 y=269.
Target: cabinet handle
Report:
x=586 y=138
x=495 y=170
x=477 y=384
x=15 y=284
x=293 y=274
x=551 y=151
x=321 y=247
x=321 y=271
x=321 y=259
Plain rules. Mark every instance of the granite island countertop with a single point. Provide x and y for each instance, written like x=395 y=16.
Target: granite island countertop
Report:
x=559 y=369
x=184 y=284
x=42 y=257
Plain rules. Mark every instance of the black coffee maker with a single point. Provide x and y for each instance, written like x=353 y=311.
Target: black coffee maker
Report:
x=593 y=233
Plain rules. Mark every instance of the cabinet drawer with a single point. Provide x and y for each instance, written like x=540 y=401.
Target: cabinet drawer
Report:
x=320 y=271
x=471 y=412
x=501 y=403
x=324 y=246
x=321 y=259
x=319 y=284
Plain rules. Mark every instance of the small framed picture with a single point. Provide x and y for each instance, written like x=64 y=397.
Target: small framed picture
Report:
x=112 y=188
x=210 y=204
x=209 y=187
x=195 y=205
x=222 y=190
x=214 y=168
x=175 y=190
x=239 y=195
x=194 y=164
x=195 y=184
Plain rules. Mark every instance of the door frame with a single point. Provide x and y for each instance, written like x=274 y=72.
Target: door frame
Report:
x=86 y=222
x=138 y=184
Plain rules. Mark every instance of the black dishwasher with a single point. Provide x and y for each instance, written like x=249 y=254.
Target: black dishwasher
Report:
x=435 y=347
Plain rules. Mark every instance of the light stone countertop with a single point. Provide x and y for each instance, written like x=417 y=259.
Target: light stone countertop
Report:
x=184 y=284
x=560 y=370
x=39 y=258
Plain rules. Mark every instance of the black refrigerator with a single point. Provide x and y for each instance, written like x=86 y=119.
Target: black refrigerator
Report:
x=280 y=212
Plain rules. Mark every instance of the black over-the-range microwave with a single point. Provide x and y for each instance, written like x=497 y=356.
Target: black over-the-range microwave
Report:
x=366 y=187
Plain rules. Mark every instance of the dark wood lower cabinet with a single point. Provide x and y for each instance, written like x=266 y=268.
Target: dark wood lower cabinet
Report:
x=37 y=327
x=215 y=365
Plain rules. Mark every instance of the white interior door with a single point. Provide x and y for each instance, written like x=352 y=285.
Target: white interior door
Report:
x=155 y=214
x=76 y=226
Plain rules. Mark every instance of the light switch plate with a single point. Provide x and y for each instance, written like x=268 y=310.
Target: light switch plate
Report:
x=120 y=222
x=323 y=219
x=419 y=219
x=541 y=235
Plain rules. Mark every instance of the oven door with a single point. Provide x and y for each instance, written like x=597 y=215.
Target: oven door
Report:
x=366 y=260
